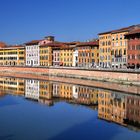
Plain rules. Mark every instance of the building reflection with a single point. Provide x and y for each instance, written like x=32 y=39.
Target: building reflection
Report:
x=120 y=108
x=133 y=111
x=45 y=93
x=112 y=106
x=32 y=89
x=14 y=86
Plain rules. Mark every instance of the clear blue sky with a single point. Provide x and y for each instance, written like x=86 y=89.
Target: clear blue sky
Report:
x=67 y=20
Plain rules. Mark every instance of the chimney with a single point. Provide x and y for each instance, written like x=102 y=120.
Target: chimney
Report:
x=50 y=38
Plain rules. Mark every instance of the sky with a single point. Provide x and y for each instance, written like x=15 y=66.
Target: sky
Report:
x=67 y=20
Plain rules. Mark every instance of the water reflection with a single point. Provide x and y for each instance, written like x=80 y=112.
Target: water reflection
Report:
x=120 y=108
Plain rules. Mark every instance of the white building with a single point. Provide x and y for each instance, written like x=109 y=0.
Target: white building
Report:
x=32 y=50
x=32 y=89
x=75 y=57
x=75 y=91
x=56 y=90
x=32 y=53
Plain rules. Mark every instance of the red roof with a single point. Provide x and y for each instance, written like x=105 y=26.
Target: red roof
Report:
x=53 y=44
x=2 y=45
x=135 y=31
x=56 y=45
x=71 y=43
x=120 y=30
x=93 y=43
x=33 y=42
x=12 y=47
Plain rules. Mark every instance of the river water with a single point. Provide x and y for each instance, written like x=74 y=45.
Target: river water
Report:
x=47 y=110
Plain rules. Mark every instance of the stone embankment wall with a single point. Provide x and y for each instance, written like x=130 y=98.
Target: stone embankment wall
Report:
x=123 y=77
x=80 y=77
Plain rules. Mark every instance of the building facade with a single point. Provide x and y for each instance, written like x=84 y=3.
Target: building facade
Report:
x=66 y=56
x=32 y=89
x=133 y=50
x=12 y=56
x=32 y=53
x=45 y=55
x=112 y=106
x=88 y=54
x=105 y=50
x=113 y=47
x=119 y=48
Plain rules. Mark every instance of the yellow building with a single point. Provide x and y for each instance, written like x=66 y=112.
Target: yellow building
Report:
x=12 y=85
x=45 y=55
x=105 y=49
x=113 y=47
x=66 y=91
x=88 y=54
x=87 y=95
x=45 y=90
x=12 y=56
x=45 y=93
x=112 y=106
x=66 y=56
x=119 y=48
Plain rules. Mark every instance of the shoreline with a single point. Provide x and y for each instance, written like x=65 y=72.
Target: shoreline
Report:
x=125 y=77
x=117 y=87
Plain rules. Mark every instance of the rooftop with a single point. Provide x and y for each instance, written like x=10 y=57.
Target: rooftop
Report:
x=125 y=29
x=33 y=42
x=12 y=47
x=135 y=31
x=93 y=43
x=2 y=44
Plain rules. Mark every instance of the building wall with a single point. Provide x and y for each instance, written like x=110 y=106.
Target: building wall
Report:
x=12 y=56
x=32 y=89
x=21 y=55
x=105 y=50
x=45 y=56
x=32 y=55
x=66 y=57
x=133 y=109
x=56 y=57
x=95 y=55
x=45 y=91
x=66 y=91
x=84 y=56
x=87 y=95
x=119 y=50
x=56 y=89
x=112 y=106
x=75 y=57
x=12 y=85
x=133 y=52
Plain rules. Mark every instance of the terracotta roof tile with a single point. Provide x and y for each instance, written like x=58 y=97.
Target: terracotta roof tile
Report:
x=33 y=42
x=93 y=43
x=135 y=31
x=120 y=30
x=2 y=44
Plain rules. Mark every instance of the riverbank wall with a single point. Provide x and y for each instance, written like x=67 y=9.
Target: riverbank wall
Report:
x=129 y=77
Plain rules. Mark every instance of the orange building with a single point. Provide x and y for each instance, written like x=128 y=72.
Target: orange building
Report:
x=112 y=106
x=88 y=54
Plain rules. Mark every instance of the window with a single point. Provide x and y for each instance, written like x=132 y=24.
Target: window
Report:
x=109 y=42
x=116 y=37
x=120 y=43
x=138 y=56
x=117 y=44
x=133 y=56
x=124 y=51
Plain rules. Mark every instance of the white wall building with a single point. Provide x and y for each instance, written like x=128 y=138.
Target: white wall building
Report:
x=32 y=53
x=75 y=91
x=56 y=89
x=32 y=89
x=75 y=57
